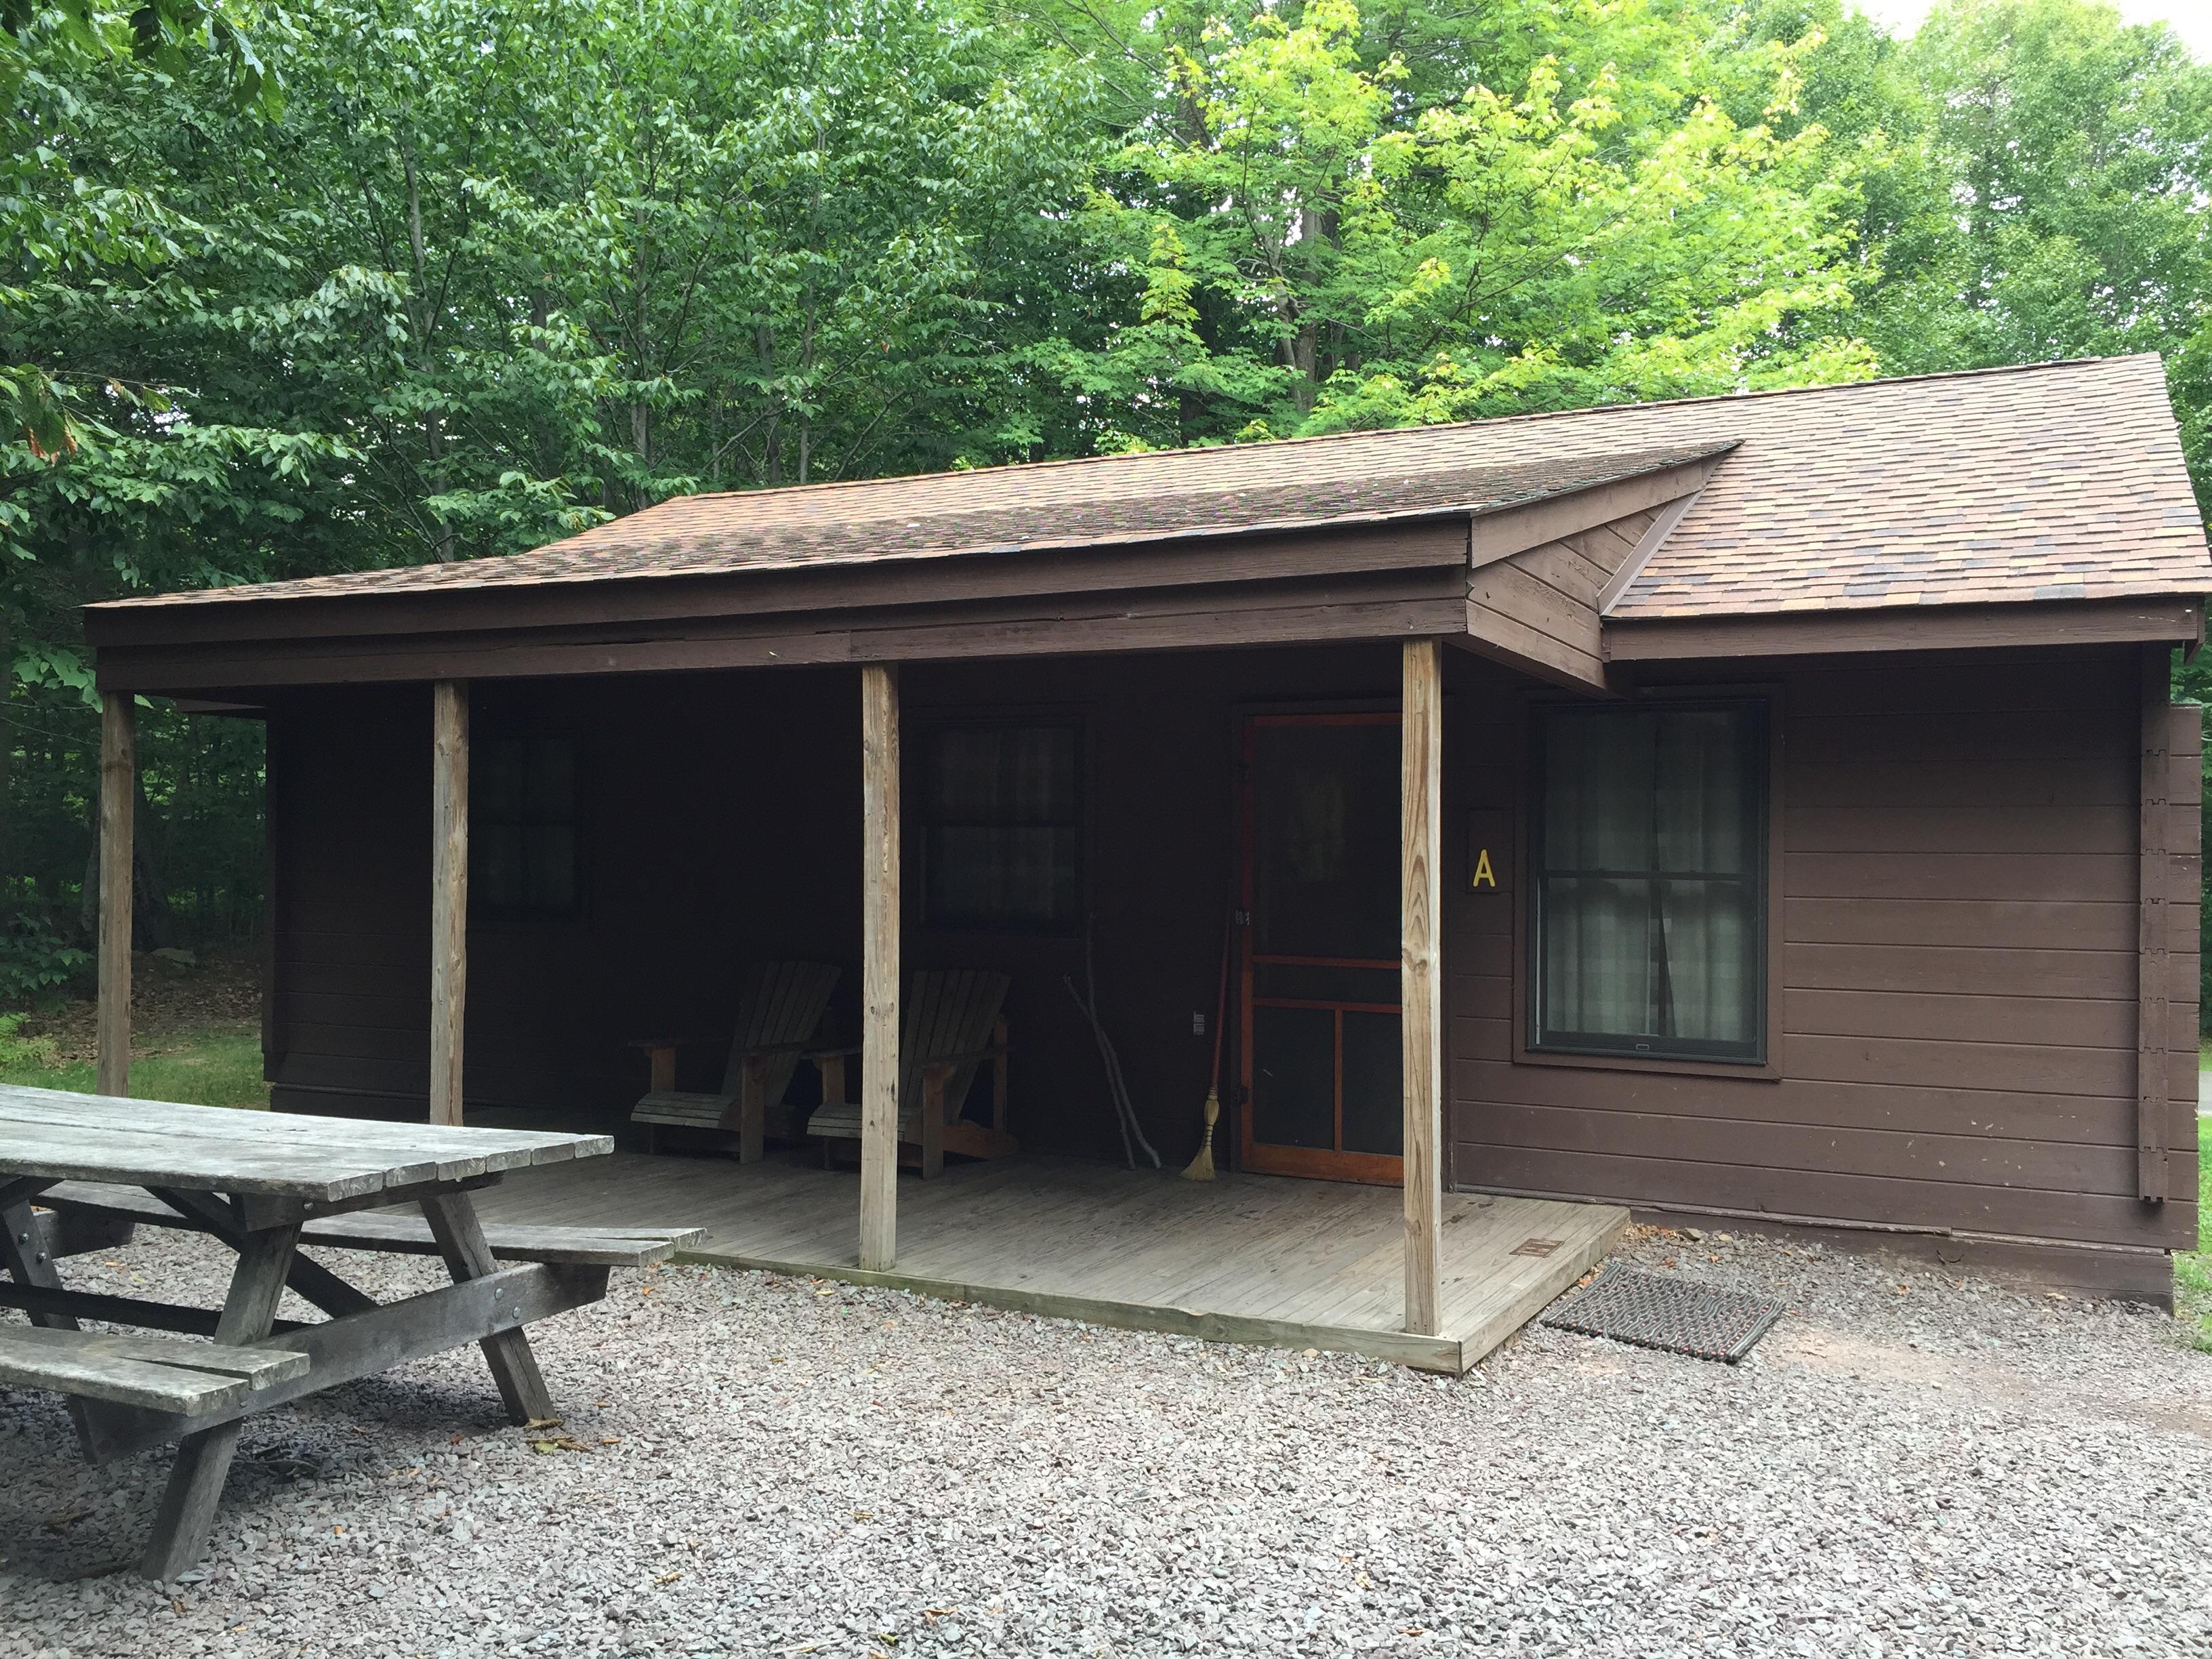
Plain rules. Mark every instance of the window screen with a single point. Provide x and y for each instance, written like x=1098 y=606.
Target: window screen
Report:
x=1002 y=840
x=522 y=825
x=1649 y=881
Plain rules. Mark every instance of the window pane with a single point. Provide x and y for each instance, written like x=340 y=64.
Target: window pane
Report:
x=1649 y=885
x=496 y=782
x=1294 y=1077
x=496 y=879
x=964 y=780
x=549 y=875
x=1326 y=848
x=522 y=823
x=1596 y=943
x=1706 y=957
x=1040 y=774
x=1374 y=1085
x=1001 y=844
x=551 y=796
x=1698 y=816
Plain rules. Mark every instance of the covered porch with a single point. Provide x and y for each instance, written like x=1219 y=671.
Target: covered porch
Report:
x=1209 y=779
x=1247 y=1258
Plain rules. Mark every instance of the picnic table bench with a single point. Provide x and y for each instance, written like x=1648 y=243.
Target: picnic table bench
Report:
x=264 y=1184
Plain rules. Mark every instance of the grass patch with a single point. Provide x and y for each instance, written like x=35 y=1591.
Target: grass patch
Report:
x=2193 y=1273
x=216 y=1066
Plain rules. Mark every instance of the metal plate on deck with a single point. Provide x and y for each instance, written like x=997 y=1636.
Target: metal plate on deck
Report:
x=1675 y=1315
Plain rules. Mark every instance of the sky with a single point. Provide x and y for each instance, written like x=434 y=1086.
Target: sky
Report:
x=2191 y=19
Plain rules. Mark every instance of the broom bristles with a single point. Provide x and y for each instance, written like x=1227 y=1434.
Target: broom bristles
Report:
x=1201 y=1167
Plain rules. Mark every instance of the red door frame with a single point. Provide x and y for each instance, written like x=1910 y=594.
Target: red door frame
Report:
x=1378 y=1168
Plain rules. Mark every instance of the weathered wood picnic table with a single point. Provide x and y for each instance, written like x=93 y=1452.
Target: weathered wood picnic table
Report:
x=78 y=1171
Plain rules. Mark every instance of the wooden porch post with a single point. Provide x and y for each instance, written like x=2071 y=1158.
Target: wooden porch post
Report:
x=1421 y=902
x=449 y=893
x=118 y=768
x=2154 y=1063
x=879 y=966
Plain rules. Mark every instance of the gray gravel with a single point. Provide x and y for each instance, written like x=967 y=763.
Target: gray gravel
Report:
x=1910 y=1464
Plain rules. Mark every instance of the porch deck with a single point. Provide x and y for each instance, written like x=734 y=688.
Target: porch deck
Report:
x=1246 y=1258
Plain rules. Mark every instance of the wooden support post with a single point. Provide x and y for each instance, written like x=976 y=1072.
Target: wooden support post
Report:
x=119 y=790
x=27 y=1260
x=879 y=966
x=2155 y=883
x=188 y=1504
x=1421 y=826
x=449 y=894
x=460 y=1237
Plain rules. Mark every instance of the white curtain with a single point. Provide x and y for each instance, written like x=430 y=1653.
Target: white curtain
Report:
x=1647 y=852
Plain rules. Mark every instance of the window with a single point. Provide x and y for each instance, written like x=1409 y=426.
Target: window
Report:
x=1001 y=827
x=522 y=825
x=1648 y=881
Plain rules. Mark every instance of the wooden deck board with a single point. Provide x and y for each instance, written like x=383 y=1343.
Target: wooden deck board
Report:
x=1247 y=1258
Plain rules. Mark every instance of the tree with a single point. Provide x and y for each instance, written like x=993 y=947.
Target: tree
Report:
x=1317 y=232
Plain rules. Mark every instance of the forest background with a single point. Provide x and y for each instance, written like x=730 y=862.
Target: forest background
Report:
x=383 y=282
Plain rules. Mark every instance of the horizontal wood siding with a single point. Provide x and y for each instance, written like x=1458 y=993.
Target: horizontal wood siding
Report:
x=1957 y=1029
x=1538 y=611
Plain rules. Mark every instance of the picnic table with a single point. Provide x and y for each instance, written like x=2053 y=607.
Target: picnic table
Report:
x=79 y=1172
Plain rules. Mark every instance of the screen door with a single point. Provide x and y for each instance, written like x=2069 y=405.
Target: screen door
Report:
x=1322 y=1066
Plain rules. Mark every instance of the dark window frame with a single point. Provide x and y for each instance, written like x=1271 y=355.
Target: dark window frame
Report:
x=1761 y=874
x=927 y=730
x=481 y=906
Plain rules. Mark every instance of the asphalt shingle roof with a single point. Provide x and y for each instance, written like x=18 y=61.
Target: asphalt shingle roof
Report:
x=2060 y=480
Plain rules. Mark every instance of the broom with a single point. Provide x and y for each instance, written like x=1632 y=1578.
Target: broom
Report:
x=1201 y=1167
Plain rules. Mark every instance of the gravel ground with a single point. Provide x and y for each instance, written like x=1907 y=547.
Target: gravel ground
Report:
x=1909 y=1464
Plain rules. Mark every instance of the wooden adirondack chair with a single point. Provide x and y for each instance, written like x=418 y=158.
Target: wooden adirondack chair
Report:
x=953 y=1022
x=781 y=1004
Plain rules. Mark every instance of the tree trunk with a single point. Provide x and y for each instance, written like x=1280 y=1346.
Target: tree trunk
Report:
x=421 y=319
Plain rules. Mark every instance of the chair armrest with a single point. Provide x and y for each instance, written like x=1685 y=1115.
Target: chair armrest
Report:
x=948 y=1061
x=829 y=1054
x=651 y=1043
x=774 y=1048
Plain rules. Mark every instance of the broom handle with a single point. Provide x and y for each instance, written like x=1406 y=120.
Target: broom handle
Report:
x=1221 y=1003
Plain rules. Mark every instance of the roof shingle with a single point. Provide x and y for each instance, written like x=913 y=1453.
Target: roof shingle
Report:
x=2060 y=480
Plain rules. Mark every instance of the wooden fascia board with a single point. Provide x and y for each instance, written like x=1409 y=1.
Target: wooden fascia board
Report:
x=1646 y=545
x=1426 y=543
x=1375 y=606
x=1501 y=534
x=1918 y=628
x=1532 y=657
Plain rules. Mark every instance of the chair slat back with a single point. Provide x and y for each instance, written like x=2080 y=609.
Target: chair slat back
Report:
x=949 y=1012
x=782 y=1004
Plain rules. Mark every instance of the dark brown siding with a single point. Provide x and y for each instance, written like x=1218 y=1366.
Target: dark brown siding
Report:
x=1957 y=1019
x=722 y=826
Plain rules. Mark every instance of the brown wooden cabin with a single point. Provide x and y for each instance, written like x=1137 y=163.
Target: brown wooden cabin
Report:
x=1813 y=837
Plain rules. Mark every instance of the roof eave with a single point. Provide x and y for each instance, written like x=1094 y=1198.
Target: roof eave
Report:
x=2150 y=619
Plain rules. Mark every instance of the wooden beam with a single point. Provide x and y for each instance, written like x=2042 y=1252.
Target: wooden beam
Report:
x=118 y=768
x=449 y=893
x=1421 y=827
x=622 y=606
x=1904 y=627
x=879 y=966
x=2154 y=886
x=1388 y=604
